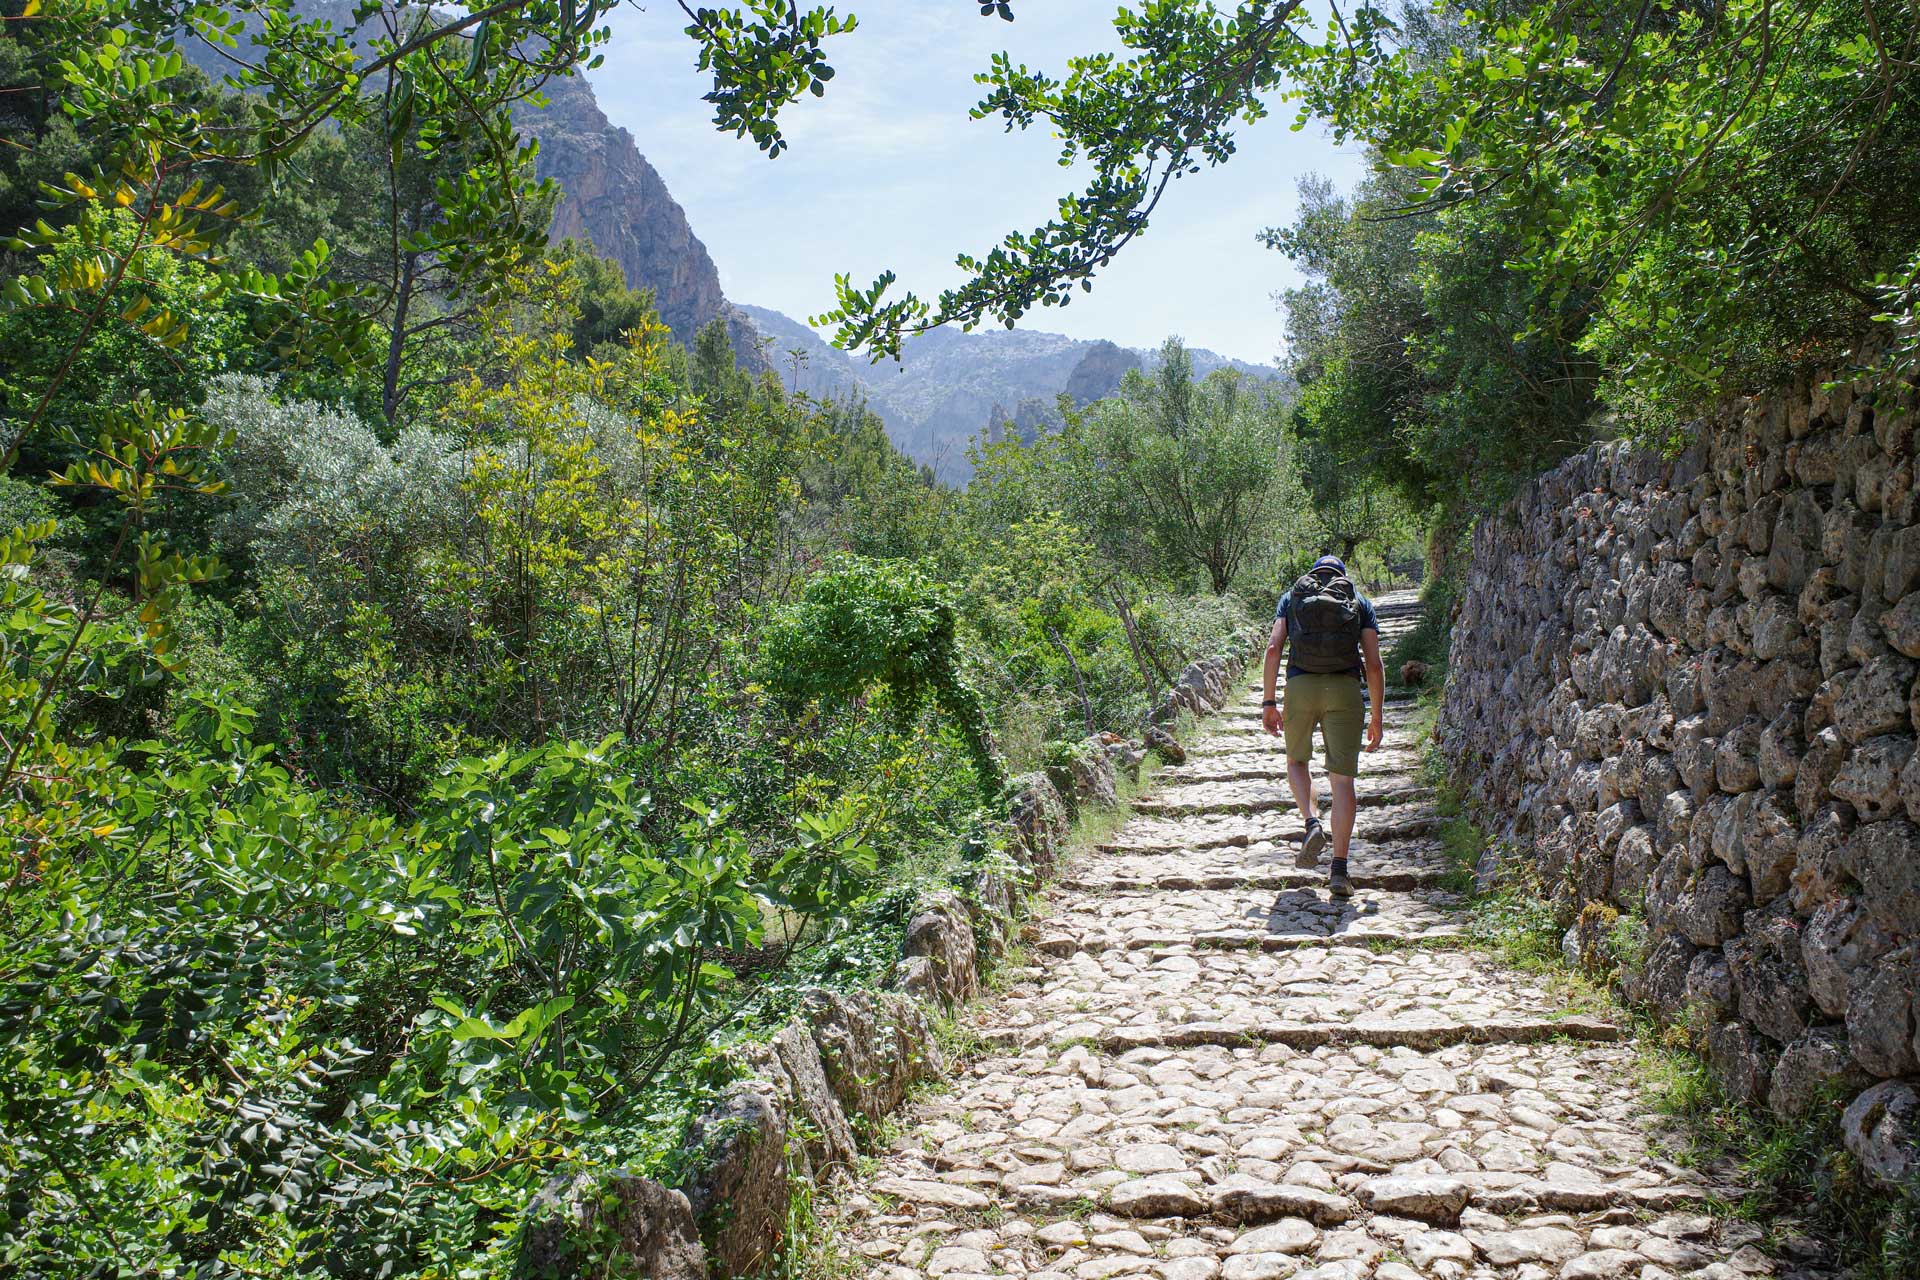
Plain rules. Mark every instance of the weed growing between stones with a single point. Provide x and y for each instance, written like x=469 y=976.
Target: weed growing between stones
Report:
x=1462 y=842
x=959 y=1043
x=1801 y=1179
x=998 y=974
x=1094 y=826
x=1516 y=922
x=807 y=1248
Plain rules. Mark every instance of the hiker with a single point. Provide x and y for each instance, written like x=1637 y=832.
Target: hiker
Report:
x=1336 y=641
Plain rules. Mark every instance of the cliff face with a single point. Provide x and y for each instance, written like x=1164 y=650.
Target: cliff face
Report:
x=1099 y=372
x=615 y=201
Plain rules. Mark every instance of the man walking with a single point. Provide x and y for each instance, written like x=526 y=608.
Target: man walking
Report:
x=1336 y=642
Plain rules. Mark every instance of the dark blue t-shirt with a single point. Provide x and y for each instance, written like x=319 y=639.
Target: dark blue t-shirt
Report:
x=1368 y=622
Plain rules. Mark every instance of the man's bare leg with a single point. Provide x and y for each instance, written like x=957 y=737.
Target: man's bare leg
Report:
x=1345 y=804
x=1300 y=778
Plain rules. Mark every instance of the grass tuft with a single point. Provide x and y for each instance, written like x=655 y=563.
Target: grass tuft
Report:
x=1799 y=1178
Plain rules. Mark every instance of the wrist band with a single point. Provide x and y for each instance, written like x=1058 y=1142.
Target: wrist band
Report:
x=1269 y=703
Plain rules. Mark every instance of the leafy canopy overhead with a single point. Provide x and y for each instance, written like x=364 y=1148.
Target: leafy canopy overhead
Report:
x=1166 y=108
x=1715 y=186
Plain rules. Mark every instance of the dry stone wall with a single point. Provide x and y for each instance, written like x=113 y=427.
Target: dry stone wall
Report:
x=848 y=1062
x=1686 y=688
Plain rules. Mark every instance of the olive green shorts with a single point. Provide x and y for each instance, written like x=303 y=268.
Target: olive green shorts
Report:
x=1333 y=703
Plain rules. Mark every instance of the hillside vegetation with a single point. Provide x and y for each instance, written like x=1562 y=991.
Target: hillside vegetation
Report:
x=440 y=711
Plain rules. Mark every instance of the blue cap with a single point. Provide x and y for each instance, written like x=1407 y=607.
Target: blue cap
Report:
x=1333 y=561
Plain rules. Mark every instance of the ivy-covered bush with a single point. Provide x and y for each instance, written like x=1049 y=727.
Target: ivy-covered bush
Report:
x=870 y=625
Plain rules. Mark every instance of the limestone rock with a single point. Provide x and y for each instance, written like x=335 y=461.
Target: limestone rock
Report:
x=1038 y=820
x=1710 y=991
x=1090 y=775
x=1289 y=1235
x=872 y=1047
x=1430 y=1199
x=1165 y=745
x=1818 y=875
x=941 y=933
x=1838 y=942
x=1883 y=1002
x=1881 y=1128
x=1885 y=858
x=1255 y=1202
x=831 y=1142
x=1769 y=974
x=1157 y=1197
x=1709 y=910
x=944 y=1195
x=1811 y=1070
x=738 y=1184
x=1901 y=625
x=1870 y=778
x=1551 y=1245
x=1875 y=700
x=1742 y=1060
x=593 y=1224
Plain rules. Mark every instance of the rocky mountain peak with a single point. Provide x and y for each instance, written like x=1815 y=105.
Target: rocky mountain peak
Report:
x=1098 y=375
x=613 y=199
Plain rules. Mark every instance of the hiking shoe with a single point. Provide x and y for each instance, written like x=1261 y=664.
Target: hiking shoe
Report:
x=1339 y=886
x=1309 y=856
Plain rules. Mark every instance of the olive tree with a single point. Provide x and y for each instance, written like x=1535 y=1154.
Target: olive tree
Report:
x=1181 y=476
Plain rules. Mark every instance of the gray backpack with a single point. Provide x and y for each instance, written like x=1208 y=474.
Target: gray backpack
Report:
x=1324 y=638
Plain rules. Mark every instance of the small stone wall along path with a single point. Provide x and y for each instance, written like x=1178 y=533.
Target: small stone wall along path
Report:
x=1208 y=1069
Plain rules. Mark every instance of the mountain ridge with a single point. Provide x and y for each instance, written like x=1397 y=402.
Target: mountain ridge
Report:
x=950 y=386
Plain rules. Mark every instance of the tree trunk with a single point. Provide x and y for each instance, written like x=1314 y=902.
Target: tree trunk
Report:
x=1086 y=707
x=1133 y=642
x=397 y=339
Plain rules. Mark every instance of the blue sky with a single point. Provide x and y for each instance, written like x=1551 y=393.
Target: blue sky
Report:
x=887 y=171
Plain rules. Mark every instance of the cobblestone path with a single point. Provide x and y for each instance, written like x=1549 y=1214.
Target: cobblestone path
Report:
x=1206 y=1069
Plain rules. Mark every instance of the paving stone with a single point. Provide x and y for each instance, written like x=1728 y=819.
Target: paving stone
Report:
x=1206 y=1070
x=1431 y=1199
x=1535 y=1244
x=1157 y=1197
x=1289 y=1235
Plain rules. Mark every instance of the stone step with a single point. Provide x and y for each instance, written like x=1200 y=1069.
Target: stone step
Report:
x=1248 y=919
x=1363 y=881
x=1066 y=944
x=1249 y=736
x=1373 y=825
x=1380 y=1033
x=1247 y=716
x=1271 y=767
x=1390 y=865
x=1249 y=754
x=1354 y=1151
x=1202 y=798
x=1397 y=695
x=1332 y=995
